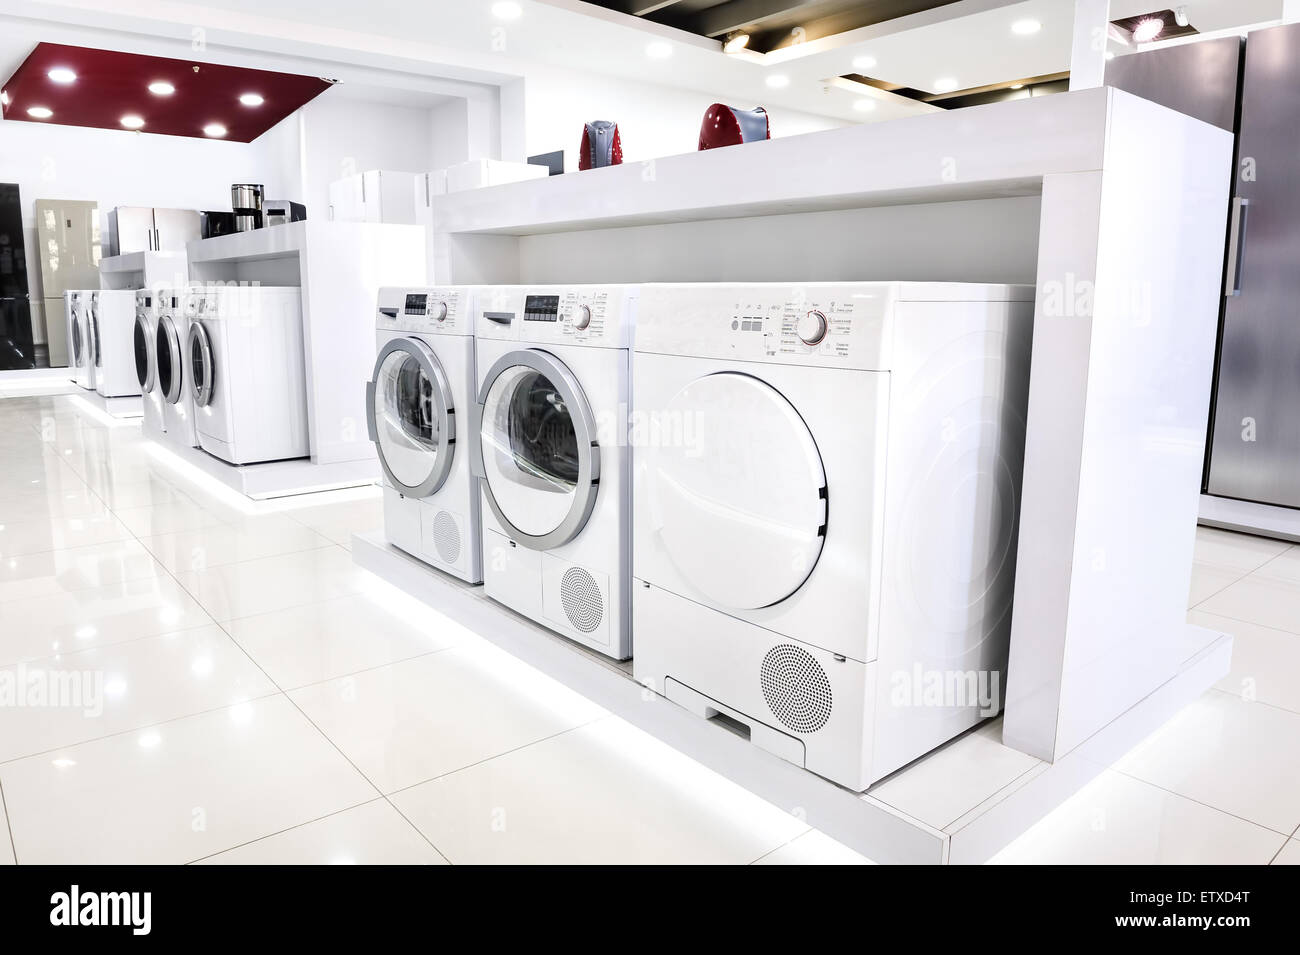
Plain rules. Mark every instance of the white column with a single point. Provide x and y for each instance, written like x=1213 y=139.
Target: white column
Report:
x=1088 y=53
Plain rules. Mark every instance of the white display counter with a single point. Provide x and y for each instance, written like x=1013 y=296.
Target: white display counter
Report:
x=1115 y=208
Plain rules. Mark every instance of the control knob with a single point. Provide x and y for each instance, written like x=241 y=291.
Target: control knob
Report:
x=582 y=318
x=812 y=328
x=439 y=311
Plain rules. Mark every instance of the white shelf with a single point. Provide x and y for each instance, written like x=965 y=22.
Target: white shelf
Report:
x=272 y=242
x=136 y=270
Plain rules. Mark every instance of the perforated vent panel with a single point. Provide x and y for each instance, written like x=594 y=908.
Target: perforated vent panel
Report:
x=796 y=688
x=581 y=599
x=446 y=537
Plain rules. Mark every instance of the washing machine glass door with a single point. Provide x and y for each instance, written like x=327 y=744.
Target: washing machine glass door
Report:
x=142 y=338
x=76 y=340
x=738 y=495
x=167 y=352
x=536 y=449
x=412 y=418
x=202 y=373
x=94 y=333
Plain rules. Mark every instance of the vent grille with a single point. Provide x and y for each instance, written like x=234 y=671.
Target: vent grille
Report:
x=796 y=688
x=581 y=599
x=446 y=537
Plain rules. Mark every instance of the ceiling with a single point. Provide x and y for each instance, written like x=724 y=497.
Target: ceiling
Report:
x=106 y=86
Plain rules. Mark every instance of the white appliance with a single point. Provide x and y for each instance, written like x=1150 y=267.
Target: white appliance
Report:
x=827 y=483
x=172 y=367
x=418 y=399
x=375 y=196
x=143 y=343
x=112 y=315
x=478 y=173
x=549 y=448
x=76 y=305
x=247 y=373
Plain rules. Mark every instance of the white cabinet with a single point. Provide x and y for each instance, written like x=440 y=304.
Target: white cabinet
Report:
x=375 y=196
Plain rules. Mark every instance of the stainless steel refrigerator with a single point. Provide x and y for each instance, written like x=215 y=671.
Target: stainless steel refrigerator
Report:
x=67 y=237
x=16 y=350
x=146 y=229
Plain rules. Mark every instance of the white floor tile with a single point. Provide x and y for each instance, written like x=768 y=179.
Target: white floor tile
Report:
x=1122 y=821
x=328 y=639
x=1267 y=601
x=249 y=539
x=55 y=572
x=1233 y=551
x=956 y=779
x=68 y=502
x=273 y=583
x=1243 y=758
x=168 y=517
x=1290 y=854
x=341 y=520
x=1208 y=580
x=179 y=791
x=606 y=793
x=373 y=834
x=37 y=627
x=1285 y=566
x=1265 y=662
x=421 y=718
x=125 y=686
x=18 y=538
x=153 y=492
x=814 y=848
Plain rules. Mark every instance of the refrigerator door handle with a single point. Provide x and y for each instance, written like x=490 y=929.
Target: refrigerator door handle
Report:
x=1236 y=246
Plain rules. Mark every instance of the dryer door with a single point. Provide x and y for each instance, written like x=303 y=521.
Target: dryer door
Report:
x=536 y=449
x=411 y=417
x=738 y=495
x=93 y=311
x=142 y=339
x=77 y=357
x=202 y=372
x=167 y=352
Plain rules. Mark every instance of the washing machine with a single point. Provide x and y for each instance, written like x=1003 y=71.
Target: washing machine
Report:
x=112 y=314
x=77 y=311
x=826 y=501
x=549 y=448
x=247 y=373
x=424 y=376
x=143 y=337
x=172 y=367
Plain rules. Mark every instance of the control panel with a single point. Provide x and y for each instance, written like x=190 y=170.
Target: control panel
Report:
x=598 y=315
x=446 y=310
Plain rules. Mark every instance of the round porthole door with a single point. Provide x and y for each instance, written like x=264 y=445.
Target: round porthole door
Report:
x=412 y=418
x=142 y=342
x=167 y=351
x=77 y=349
x=202 y=373
x=536 y=449
x=740 y=502
x=93 y=312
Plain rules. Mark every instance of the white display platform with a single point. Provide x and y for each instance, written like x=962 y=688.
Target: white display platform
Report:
x=131 y=406
x=959 y=804
x=137 y=270
x=1267 y=520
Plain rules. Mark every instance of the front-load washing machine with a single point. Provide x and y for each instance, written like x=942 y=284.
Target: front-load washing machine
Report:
x=173 y=368
x=77 y=306
x=550 y=451
x=143 y=338
x=112 y=314
x=424 y=376
x=826 y=502
x=247 y=371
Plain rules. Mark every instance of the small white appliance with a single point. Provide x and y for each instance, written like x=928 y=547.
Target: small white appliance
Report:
x=417 y=403
x=247 y=373
x=143 y=343
x=80 y=343
x=826 y=500
x=112 y=317
x=549 y=444
x=172 y=367
x=378 y=195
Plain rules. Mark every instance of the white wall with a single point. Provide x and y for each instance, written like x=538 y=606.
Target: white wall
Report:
x=653 y=121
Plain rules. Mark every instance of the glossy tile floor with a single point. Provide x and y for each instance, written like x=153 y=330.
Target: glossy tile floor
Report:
x=188 y=676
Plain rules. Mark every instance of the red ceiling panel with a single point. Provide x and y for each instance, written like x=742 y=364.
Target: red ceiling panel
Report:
x=110 y=85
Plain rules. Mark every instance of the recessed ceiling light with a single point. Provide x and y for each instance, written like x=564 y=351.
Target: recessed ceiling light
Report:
x=1026 y=27
x=252 y=99
x=736 y=42
x=864 y=105
x=132 y=121
x=659 y=50
x=215 y=130
x=1017 y=86
x=1148 y=29
x=863 y=63
x=161 y=88
x=61 y=74
x=507 y=10
x=40 y=112
x=946 y=84
x=778 y=81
